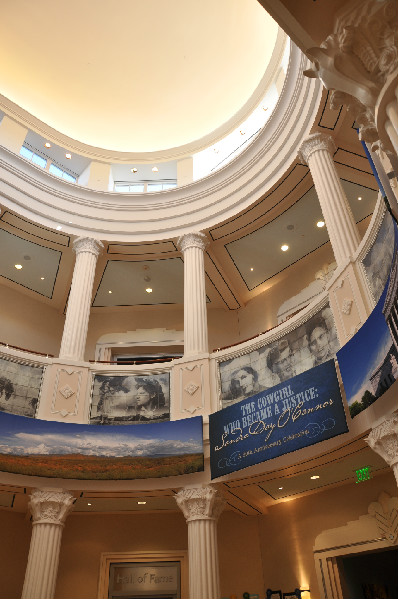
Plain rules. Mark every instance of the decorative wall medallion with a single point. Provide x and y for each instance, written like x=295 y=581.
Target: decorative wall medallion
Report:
x=346 y=306
x=66 y=391
x=191 y=388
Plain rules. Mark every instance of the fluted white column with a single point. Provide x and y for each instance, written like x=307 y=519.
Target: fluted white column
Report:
x=383 y=439
x=49 y=509
x=317 y=151
x=77 y=314
x=201 y=507
x=192 y=245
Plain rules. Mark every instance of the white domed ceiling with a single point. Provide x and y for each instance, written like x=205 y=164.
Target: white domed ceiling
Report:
x=134 y=75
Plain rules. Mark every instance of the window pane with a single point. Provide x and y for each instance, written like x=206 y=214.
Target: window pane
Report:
x=154 y=187
x=36 y=159
x=138 y=188
x=122 y=188
x=54 y=170
x=26 y=153
x=169 y=185
x=68 y=177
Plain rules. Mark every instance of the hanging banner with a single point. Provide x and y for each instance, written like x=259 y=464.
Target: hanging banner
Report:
x=300 y=412
x=68 y=450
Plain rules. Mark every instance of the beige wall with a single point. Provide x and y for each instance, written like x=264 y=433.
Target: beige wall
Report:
x=289 y=529
x=255 y=552
x=29 y=323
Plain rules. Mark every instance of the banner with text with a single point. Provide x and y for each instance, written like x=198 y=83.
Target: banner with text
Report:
x=300 y=412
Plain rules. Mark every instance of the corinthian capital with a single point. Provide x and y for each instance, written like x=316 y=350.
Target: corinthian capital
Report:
x=200 y=503
x=50 y=506
x=88 y=244
x=192 y=240
x=384 y=439
x=314 y=143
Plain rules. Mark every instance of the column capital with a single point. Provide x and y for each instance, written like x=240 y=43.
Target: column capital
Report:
x=383 y=439
x=314 y=143
x=50 y=506
x=196 y=239
x=200 y=503
x=88 y=244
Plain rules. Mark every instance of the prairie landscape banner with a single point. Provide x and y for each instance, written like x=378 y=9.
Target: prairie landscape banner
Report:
x=65 y=450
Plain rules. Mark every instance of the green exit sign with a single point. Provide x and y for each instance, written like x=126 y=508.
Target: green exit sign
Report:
x=362 y=474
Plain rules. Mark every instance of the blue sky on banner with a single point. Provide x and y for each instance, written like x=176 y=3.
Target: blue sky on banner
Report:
x=27 y=436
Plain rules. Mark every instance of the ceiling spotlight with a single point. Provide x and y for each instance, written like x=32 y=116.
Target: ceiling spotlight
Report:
x=280 y=488
x=320 y=224
x=359 y=198
x=314 y=477
x=148 y=290
x=41 y=278
x=284 y=248
x=59 y=228
x=109 y=291
x=47 y=144
x=68 y=156
x=134 y=170
x=89 y=504
x=18 y=266
x=141 y=502
x=252 y=269
x=155 y=169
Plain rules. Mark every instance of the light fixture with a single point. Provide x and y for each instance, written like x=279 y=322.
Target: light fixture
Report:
x=320 y=224
x=359 y=198
x=68 y=156
x=109 y=291
x=47 y=144
x=314 y=477
x=280 y=488
x=89 y=504
x=134 y=170
x=155 y=169
x=41 y=278
x=284 y=248
x=18 y=266
x=141 y=502
x=148 y=289
x=59 y=228
x=252 y=269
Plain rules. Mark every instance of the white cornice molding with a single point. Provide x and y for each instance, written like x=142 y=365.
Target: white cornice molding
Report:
x=110 y=216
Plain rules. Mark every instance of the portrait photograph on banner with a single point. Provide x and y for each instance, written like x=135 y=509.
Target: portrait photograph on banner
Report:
x=377 y=262
x=130 y=399
x=299 y=412
x=369 y=361
x=20 y=386
x=82 y=451
x=308 y=345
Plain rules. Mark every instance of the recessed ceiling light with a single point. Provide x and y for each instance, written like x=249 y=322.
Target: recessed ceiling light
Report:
x=134 y=170
x=141 y=502
x=89 y=504
x=47 y=144
x=59 y=228
x=252 y=269
x=280 y=488
x=284 y=248
x=18 y=266
x=320 y=224
x=155 y=169
x=314 y=477
x=70 y=222
x=41 y=278
x=68 y=156
x=148 y=289
x=359 y=198
x=109 y=291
